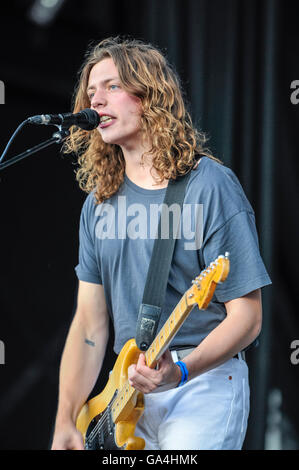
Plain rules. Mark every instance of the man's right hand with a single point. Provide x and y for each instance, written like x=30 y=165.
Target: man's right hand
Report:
x=67 y=437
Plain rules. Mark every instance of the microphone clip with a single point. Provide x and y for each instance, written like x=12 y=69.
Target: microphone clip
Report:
x=57 y=138
x=61 y=134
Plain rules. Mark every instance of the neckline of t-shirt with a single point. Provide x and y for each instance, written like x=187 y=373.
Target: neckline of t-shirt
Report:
x=144 y=191
x=157 y=192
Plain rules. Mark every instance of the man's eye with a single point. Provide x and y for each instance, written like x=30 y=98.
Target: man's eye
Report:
x=113 y=87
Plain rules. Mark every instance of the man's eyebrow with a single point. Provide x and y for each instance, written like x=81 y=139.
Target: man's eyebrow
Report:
x=103 y=82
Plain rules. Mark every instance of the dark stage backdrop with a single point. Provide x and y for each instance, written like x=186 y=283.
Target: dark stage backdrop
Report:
x=237 y=60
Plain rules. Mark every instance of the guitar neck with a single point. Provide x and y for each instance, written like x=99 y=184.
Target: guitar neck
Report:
x=169 y=330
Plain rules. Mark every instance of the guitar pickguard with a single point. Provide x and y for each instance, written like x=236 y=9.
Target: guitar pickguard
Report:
x=101 y=431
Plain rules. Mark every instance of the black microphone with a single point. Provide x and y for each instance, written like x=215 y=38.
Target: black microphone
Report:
x=86 y=119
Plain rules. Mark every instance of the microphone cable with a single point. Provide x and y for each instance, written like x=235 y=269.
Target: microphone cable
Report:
x=12 y=138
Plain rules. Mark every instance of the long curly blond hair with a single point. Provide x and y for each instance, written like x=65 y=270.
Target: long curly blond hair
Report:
x=144 y=72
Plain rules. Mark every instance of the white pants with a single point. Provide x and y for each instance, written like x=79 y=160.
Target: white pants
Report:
x=208 y=412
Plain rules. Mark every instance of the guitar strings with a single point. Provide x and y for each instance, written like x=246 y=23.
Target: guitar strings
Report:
x=98 y=427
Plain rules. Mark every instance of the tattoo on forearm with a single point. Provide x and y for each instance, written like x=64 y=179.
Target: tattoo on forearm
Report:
x=91 y=343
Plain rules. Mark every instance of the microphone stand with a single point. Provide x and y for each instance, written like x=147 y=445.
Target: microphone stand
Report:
x=56 y=138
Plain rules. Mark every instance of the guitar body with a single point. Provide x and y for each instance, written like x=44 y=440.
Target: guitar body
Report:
x=109 y=434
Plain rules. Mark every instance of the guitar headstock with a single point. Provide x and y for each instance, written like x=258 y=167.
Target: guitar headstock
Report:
x=205 y=284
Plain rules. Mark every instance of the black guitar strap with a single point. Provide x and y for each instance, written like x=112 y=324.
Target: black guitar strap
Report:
x=158 y=272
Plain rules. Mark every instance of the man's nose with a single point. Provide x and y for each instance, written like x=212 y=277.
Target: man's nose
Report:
x=98 y=99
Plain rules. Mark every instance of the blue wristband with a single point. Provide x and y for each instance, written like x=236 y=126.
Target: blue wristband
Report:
x=184 y=372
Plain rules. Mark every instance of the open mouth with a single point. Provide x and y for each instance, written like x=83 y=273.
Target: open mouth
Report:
x=106 y=120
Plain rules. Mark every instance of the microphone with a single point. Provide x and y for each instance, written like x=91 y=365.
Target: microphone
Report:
x=86 y=119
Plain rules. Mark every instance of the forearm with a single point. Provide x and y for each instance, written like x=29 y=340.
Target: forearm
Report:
x=241 y=326
x=80 y=365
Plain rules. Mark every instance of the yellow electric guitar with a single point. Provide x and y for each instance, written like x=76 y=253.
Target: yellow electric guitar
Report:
x=108 y=420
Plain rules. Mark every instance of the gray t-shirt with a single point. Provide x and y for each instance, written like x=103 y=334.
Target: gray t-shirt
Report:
x=116 y=242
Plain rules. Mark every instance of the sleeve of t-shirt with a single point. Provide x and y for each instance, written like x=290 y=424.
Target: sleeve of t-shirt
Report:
x=237 y=236
x=87 y=270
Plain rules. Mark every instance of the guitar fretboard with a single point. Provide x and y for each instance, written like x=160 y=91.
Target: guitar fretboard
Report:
x=166 y=334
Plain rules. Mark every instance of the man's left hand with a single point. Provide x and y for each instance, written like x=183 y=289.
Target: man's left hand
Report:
x=167 y=374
